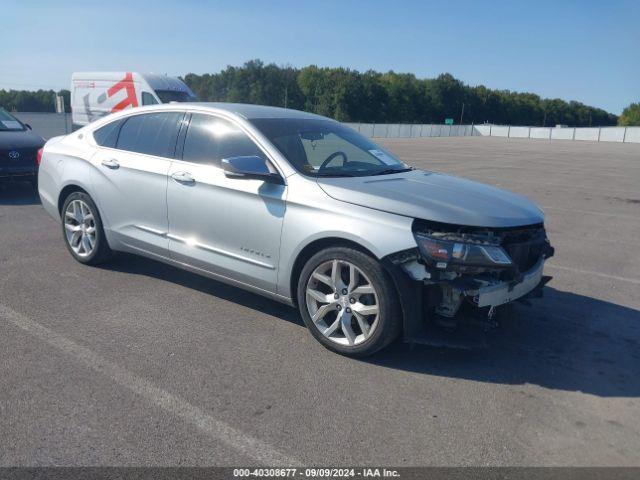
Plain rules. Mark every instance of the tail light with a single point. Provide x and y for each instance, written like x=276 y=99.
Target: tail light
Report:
x=39 y=156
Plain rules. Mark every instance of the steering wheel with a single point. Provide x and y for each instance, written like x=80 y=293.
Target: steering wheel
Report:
x=331 y=157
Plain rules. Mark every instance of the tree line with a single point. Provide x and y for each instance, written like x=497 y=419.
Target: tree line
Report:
x=351 y=96
x=33 y=101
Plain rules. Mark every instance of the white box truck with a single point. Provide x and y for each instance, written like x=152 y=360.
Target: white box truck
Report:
x=96 y=94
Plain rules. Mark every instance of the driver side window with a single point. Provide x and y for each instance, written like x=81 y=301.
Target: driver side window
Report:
x=209 y=139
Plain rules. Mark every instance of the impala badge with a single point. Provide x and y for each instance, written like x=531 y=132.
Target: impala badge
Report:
x=255 y=252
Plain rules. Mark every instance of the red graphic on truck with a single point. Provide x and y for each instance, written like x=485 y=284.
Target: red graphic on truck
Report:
x=128 y=86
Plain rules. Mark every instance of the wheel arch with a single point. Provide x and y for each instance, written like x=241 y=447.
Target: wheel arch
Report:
x=68 y=190
x=72 y=187
x=314 y=247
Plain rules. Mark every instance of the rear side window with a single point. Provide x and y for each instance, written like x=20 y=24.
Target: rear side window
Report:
x=151 y=133
x=108 y=135
x=210 y=139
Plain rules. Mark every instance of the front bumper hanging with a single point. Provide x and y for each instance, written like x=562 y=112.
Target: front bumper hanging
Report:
x=416 y=298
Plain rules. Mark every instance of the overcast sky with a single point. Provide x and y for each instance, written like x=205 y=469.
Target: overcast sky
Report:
x=576 y=50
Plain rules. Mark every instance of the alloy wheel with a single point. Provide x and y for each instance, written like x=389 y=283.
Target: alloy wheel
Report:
x=342 y=302
x=80 y=228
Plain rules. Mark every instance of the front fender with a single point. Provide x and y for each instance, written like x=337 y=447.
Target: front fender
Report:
x=315 y=216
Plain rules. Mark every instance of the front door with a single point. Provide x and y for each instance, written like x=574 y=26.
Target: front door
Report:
x=229 y=227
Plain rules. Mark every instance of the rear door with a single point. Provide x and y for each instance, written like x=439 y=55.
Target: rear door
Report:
x=131 y=178
x=230 y=227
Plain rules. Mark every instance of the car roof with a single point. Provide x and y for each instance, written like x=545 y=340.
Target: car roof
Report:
x=244 y=110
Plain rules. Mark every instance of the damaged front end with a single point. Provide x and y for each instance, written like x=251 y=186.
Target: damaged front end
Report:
x=463 y=275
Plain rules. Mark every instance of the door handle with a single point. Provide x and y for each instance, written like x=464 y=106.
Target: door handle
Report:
x=111 y=163
x=183 y=177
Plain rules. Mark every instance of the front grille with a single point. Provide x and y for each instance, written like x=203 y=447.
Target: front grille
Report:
x=525 y=246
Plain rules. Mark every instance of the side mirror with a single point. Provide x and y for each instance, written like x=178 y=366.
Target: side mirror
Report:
x=28 y=126
x=249 y=167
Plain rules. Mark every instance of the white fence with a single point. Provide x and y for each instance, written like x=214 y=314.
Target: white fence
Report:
x=405 y=130
x=594 y=134
x=46 y=124
x=51 y=124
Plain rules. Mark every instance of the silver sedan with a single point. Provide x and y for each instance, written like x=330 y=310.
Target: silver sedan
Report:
x=299 y=208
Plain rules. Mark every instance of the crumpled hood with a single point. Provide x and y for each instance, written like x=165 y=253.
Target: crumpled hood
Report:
x=20 y=139
x=437 y=197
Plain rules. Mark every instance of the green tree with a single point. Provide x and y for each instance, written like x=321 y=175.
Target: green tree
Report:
x=348 y=95
x=445 y=94
x=630 y=116
x=28 y=101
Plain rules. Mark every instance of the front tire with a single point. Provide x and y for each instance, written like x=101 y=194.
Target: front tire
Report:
x=82 y=230
x=348 y=302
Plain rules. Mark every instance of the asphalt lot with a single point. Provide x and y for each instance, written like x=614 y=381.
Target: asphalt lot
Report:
x=137 y=363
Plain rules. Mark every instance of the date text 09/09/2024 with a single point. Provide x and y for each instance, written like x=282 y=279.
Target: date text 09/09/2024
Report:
x=316 y=472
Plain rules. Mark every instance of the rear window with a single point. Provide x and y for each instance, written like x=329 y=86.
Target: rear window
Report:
x=151 y=133
x=108 y=135
x=9 y=122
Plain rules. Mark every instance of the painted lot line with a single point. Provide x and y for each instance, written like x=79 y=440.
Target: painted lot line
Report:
x=590 y=272
x=215 y=429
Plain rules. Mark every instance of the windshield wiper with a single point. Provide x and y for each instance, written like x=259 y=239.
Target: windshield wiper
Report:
x=388 y=171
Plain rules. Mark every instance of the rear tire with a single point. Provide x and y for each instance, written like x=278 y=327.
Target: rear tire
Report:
x=348 y=302
x=82 y=230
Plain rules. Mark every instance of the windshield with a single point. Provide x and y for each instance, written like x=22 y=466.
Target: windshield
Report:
x=326 y=148
x=9 y=122
x=167 y=96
